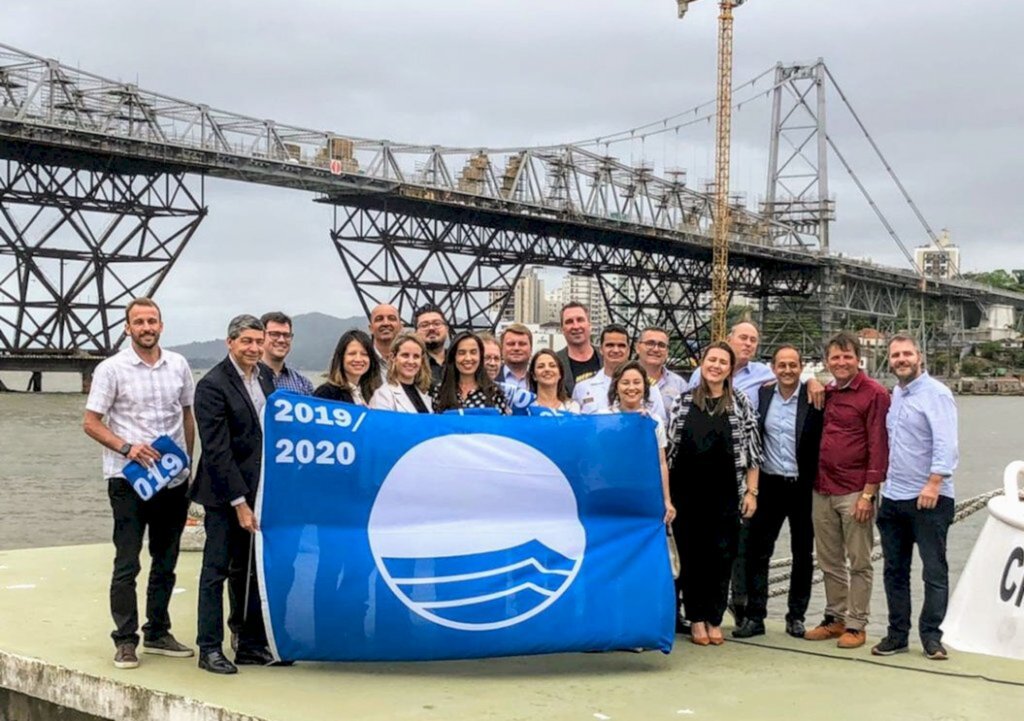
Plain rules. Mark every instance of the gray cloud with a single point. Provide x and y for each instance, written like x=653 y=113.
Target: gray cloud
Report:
x=937 y=84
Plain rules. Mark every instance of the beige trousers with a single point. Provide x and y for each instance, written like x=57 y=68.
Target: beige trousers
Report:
x=838 y=538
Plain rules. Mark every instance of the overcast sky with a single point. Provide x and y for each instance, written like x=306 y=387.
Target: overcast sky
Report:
x=938 y=83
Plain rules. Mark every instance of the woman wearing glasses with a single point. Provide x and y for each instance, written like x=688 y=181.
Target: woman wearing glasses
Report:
x=354 y=374
x=464 y=383
x=408 y=386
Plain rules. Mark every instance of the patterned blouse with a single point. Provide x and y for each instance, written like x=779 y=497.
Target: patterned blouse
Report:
x=476 y=399
x=745 y=437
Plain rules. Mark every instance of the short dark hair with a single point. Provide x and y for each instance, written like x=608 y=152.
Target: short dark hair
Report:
x=275 y=316
x=844 y=340
x=141 y=302
x=654 y=329
x=787 y=346
x=428 y=308
x=615 y=328
x=573 y=304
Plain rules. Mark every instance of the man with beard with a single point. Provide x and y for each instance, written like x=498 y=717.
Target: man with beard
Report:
x=592 y=393
x=917 y=498
x=385 y=324
x=580 y=358
x=277 y=348
x=432 y=328
x=144 y=392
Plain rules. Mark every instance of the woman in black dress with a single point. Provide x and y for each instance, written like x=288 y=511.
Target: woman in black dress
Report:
x=354 y=374
x=465 y=383
x=714 y=456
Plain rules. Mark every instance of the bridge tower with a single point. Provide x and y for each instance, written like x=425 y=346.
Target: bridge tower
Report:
x=80 y=237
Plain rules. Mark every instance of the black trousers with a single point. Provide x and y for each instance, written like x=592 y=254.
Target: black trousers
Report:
x=226 y=556
x=707 y=547
x=901 y=524
x=779 y=500
x=164 y=516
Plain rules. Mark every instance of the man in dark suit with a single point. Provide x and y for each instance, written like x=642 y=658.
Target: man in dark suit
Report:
x=229 y=402
x=791 y=435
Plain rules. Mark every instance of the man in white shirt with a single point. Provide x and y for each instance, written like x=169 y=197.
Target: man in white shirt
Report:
x=142 y=393
x=385 y=325
x=592 y=393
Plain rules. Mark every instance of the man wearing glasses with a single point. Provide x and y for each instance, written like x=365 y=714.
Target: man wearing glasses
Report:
x=277 y=347
x=433 y=330
x=652 y=352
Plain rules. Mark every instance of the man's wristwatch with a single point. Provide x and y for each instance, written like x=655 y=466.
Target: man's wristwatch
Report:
x=752 y=491
x=869 y=497
x=125 y=449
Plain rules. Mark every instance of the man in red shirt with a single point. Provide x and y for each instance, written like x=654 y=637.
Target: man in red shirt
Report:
x=852 y=463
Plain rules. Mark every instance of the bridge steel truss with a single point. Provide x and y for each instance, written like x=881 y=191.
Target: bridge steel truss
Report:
x=409 y=253
x=415 y=223
x=77 y=244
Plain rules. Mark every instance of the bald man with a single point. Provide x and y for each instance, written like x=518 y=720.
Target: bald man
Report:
x=385 y=325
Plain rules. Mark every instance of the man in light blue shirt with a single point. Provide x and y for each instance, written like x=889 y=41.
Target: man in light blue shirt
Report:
x=917 y=498
x=516 y=350
x=749 y=375
x=652 y=352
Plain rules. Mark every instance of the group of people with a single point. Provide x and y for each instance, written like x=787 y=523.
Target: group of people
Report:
x=742 y=447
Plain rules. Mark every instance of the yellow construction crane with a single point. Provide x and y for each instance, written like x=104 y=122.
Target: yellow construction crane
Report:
x=720 y=245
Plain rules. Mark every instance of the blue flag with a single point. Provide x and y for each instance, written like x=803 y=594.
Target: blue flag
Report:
x=393 y=536
x=168 y=472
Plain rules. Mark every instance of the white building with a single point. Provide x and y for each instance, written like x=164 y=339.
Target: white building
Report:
x=941 y=260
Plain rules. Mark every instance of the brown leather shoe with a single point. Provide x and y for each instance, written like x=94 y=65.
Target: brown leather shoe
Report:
x=852 y=639
x=825 y=631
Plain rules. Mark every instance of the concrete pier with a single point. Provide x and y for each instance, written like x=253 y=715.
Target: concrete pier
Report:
x=56 y=662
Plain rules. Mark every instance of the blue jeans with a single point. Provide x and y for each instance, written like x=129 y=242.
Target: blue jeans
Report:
x=901 y=524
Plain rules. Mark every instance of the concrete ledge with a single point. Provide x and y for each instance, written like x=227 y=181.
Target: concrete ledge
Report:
x=56 y=664
x=62 y=689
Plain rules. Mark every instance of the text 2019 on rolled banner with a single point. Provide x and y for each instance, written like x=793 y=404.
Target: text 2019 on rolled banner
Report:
x=392 y=536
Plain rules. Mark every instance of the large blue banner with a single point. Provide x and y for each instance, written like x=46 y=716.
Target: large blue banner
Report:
x=392 y=536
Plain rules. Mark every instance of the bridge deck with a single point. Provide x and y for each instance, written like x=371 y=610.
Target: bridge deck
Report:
x=54 y=645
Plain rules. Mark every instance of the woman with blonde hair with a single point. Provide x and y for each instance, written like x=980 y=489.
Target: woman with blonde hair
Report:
x=408 y=381
x=714 y=456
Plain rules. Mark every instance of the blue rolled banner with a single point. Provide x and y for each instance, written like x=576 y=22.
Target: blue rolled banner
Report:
x=394 y=536
x=171 y=470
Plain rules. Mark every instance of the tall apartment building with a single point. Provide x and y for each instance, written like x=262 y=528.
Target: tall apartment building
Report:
x=941 y=260
x=527 y=304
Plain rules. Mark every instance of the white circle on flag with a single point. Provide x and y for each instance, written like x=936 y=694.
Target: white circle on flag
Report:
x=476 y=531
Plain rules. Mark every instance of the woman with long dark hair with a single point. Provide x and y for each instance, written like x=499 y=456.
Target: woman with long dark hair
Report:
x=546 y=379
x=465 y=383
x=714 y=456
x=354 y=374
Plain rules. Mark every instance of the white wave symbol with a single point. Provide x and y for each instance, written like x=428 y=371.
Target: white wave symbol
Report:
x=477 y=575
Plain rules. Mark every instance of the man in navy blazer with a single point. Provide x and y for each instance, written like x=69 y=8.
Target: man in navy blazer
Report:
x=229 y=403
x=791 y=435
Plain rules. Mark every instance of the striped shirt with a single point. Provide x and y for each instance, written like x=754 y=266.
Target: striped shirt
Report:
x=141 y=402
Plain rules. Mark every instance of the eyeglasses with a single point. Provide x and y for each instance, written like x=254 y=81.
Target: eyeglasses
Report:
x=280 y=335
x=430 y=324
x=655 y=344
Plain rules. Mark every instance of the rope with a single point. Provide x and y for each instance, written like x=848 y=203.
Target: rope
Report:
x=964 y=509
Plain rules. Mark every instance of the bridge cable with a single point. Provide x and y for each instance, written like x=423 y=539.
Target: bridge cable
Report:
x=885 y=163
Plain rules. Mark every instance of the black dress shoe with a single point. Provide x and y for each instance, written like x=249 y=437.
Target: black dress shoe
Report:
x=796 y=628
x=216 y=662
x=683 y=627
x=254 y=657
x=751 y=627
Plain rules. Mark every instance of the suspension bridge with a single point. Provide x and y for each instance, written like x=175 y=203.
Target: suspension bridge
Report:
x=102 y=189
